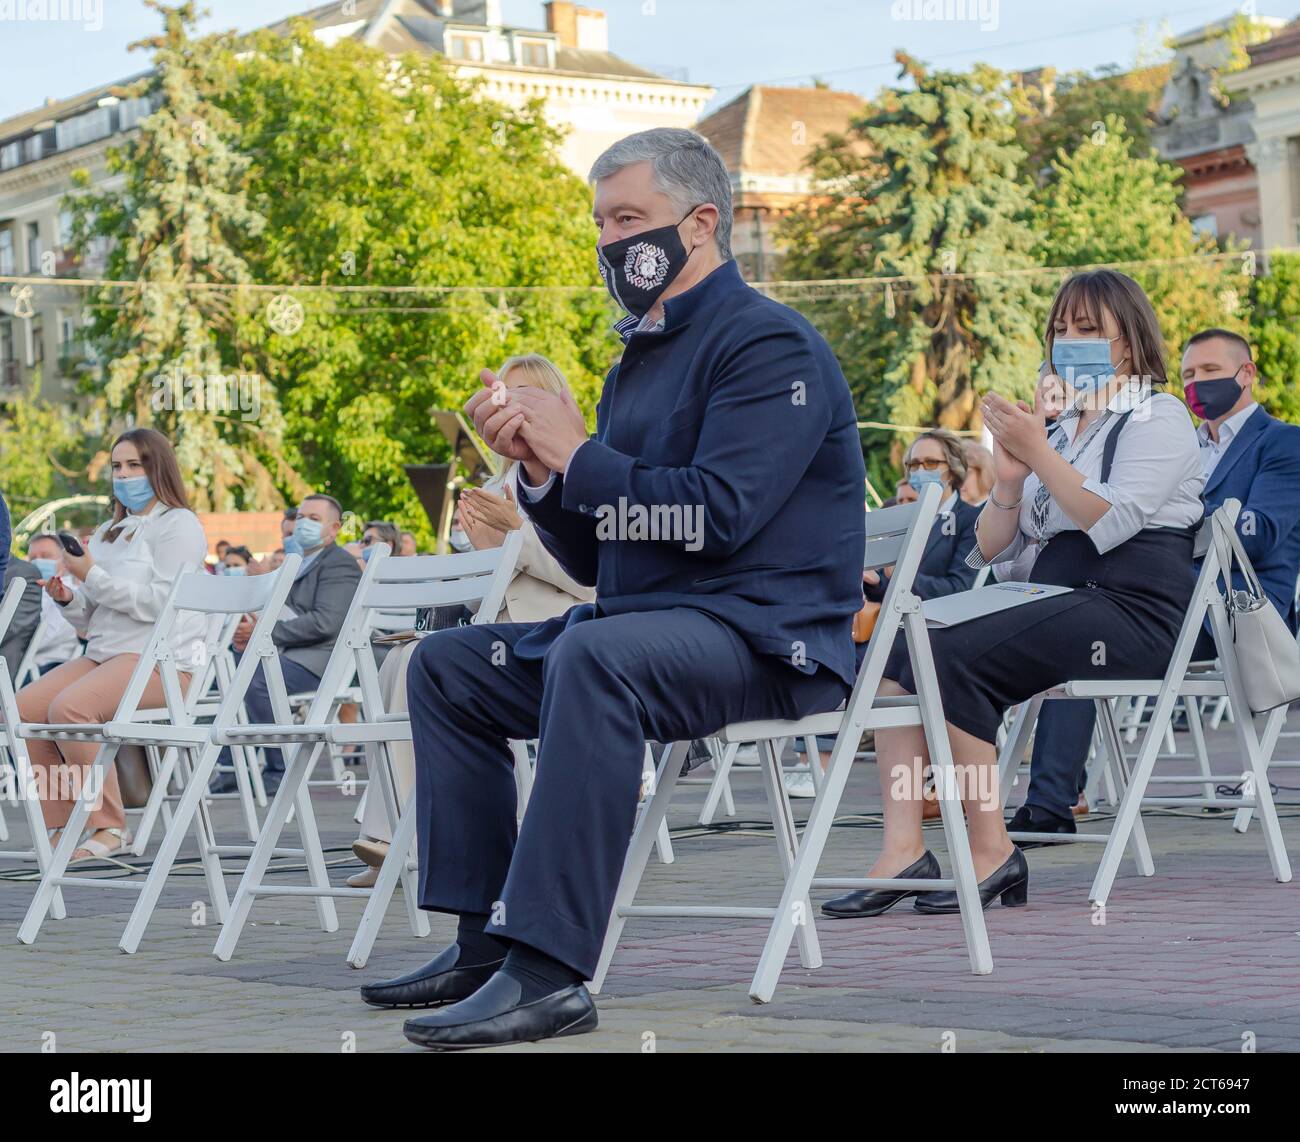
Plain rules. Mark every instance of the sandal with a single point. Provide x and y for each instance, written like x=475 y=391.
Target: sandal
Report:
x=97 y=850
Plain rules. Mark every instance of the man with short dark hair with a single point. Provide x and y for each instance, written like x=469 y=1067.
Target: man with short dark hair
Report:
x=1248 y=456
x=729 y=424
x=314 y=612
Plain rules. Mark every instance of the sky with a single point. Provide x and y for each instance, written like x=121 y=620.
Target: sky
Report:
x=728 y=44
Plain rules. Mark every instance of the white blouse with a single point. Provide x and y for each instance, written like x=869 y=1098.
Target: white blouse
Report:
x=127 y=587
x=1156 y=479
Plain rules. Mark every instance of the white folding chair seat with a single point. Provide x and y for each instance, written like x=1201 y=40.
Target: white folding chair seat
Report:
x=894 y=536
x=193 y=592
x=1131 y=777
x=387 y=585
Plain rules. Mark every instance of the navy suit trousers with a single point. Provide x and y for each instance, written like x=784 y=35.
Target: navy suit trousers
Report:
x=604 y=687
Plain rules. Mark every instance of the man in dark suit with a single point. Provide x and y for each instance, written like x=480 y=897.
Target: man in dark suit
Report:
x=26 y=618
x=318 y=601
x=1248 y=456
x=716 y=511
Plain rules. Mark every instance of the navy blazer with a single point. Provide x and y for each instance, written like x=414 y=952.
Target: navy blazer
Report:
x=1261 y=468
x=943 y=569
x=736 y=413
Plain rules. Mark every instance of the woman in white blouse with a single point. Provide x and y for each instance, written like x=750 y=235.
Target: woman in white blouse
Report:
x=125 y=577
x=1106 y=504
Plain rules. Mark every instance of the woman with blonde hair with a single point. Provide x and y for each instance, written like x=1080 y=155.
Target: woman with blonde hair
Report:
x=540 y=589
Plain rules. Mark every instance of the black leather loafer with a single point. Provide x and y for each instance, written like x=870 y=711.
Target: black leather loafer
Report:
x=1032 y=819
x=440 y=981
x=495 y=1015
x=869 y=902
x=1010 y=882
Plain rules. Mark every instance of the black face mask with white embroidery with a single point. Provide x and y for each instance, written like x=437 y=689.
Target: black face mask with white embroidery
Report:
x=637 y=270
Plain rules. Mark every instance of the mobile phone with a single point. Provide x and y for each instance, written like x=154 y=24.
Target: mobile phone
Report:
x=70 y=543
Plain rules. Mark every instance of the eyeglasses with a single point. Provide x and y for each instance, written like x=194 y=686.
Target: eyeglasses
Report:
x=928 y=465
x=367 y=540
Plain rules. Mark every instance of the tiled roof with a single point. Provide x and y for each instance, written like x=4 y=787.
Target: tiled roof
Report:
x=772 y=130
x=1284 y=44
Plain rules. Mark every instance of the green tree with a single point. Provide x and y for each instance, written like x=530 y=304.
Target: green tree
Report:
x=46 y=450
x=1275 y=333
x=1107 y=201
x=926 y=184
x=181 y=219
x=372 y=171
x=1057 y=113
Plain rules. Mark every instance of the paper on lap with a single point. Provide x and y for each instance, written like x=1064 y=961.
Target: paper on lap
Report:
x=966 y=605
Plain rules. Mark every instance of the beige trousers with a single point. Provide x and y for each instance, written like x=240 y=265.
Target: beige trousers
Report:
x=392 y=690
x=80 y=691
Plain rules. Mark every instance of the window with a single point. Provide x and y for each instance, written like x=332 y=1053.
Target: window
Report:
x=35 y=340
x=467 y=47
x=11 y=155
x=534 y=53
x=32 y=148
x=82 y=129
x=33 y=247
x=6 y=341
x=131 y=111
x=6 y=251
x=1206 y=224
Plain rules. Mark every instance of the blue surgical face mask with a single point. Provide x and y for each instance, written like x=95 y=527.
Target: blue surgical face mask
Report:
x=235 y=570
x=291 y=545
x=307 y=532
x=921 y=479
x=132 y=493
x=47 y=567
x=1083 y=363
x=367 y=552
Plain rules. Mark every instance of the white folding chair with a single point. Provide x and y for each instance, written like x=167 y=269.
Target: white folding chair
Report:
x=193 y=592
x=1131 y=778
x=894 y=536
x=387 y=584
x=16 y=771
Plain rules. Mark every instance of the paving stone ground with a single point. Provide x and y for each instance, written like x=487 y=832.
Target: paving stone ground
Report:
x=1194 y=958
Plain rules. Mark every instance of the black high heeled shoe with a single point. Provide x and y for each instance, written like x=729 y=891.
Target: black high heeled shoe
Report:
x=1010 y=882
x=870 y=902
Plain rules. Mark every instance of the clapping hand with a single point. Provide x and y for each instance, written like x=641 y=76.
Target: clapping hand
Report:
x=498 y=418
x=479 y=532
x=495 y=511
x=1019 y=435
x=553 y=425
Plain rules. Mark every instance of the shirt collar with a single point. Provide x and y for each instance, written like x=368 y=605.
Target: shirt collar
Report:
x=1228 y=429
x=680 y=309
x=1126 y=398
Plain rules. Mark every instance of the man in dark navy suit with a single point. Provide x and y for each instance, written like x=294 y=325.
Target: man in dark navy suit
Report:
x=716 y=511
x=1248 y=456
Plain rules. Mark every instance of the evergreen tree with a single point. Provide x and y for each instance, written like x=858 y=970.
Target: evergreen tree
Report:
x=182 y=219
x=926 y=183
x=1108 y=201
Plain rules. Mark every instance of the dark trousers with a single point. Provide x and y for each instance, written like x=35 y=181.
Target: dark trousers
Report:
x=257 y=701
x=1057 y=768
x=604 y=687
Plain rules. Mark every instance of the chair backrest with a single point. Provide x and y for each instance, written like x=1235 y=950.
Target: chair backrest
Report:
x=896 y=535
x=393 y=584
x=194 y=591
x=9 y=603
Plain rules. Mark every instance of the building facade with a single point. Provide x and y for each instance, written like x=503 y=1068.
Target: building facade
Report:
x=766 y=136
x=591 y=94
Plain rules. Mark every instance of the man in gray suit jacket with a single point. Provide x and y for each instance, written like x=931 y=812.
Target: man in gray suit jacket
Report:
x=317 y=605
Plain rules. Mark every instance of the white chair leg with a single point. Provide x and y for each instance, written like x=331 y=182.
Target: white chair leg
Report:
x=638 y=854
x=390 y=872
x=720 y=787
x=787 y=845
x=1114 y=759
